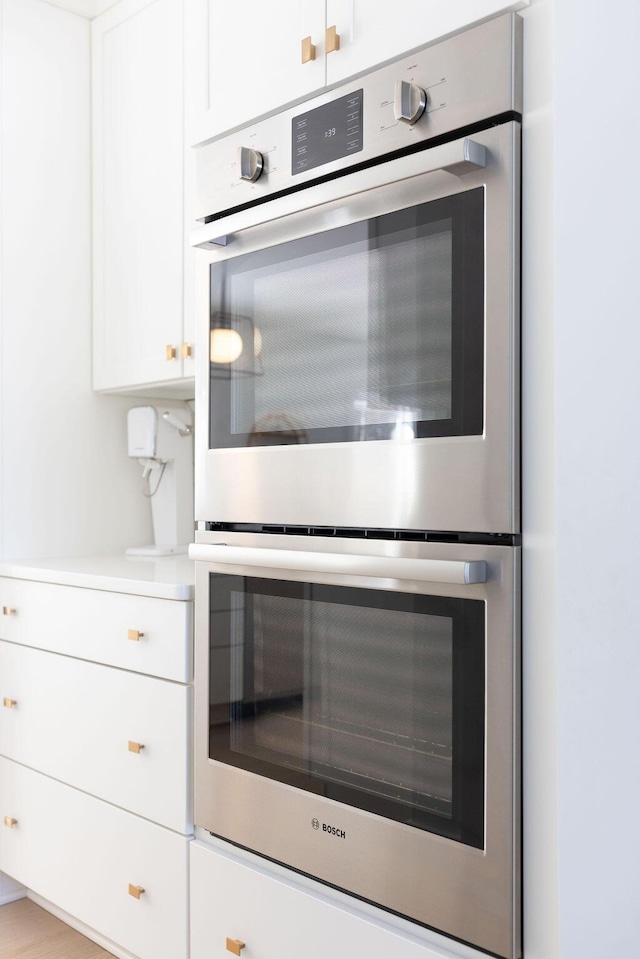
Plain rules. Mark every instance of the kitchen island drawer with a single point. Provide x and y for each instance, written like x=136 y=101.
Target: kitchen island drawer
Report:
x=121 y=875
x=118 y=735
x=140 y=633
x=264 y=908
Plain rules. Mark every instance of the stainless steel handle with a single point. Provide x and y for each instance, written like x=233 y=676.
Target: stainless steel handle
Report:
x=460 y=157
x=471 y=156
x=457 y=572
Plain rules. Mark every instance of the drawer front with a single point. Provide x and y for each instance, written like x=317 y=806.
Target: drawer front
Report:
x=139 y=633
x=118 y=735
x=83 y=855
x=276 y=919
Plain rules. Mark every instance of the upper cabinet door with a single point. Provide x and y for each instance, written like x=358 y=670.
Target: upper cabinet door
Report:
x=251 y=59
x=372 y=31
x=138 y=193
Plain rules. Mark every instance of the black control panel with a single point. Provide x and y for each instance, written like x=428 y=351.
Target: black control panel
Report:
x=327 y=133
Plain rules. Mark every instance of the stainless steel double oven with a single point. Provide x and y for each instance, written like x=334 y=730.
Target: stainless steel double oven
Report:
x=357 y=488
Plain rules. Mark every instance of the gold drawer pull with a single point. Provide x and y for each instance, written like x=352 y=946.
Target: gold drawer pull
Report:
x=308 y=50
x=135 y=635
x=9 y=703
x=186 y=350
x=170 y=352
x=235 y=946
x=9 y=611
x=332 y=40
x=8 y=821
x=135 y=891
x=135 y=747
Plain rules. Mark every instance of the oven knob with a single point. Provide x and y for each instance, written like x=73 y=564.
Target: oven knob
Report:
x=409 y=102
x=251 y=164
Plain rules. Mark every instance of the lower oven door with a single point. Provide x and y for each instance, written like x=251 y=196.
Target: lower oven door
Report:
x=357 y=719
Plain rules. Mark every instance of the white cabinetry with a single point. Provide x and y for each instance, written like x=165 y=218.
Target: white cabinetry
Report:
x=142 y=332
x=252 y=56
x=83 y=855
x=241 y=898
x=250 y=65
x=95 y=744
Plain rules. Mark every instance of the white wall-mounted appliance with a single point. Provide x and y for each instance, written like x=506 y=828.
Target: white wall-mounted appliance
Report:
x=357 y=483
x=161 y=440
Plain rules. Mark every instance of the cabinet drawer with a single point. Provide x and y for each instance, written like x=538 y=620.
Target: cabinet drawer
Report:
x=118 y=735
x=96 y=625
x=277 y=919
x=81 y=854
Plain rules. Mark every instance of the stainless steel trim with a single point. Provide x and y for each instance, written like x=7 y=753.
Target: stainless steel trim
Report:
x=423 y=570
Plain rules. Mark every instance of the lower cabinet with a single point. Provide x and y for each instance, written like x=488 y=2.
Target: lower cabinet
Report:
x=95 y=744
x=114 y=871
x=265 y=916
x=115 y=734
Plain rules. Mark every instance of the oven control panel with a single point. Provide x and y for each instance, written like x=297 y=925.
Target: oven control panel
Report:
x=468 y=78
x=326 y=133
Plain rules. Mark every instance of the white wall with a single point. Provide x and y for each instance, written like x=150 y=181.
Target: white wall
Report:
x=66 y=484
x=540 y=706
x=10 y=889
x=597 y=386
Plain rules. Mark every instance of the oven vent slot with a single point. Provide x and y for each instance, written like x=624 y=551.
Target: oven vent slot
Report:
x=351 y=532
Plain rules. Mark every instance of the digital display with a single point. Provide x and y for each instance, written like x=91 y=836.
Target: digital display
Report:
x=327 y=133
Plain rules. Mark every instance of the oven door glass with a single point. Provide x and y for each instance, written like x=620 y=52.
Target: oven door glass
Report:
x=369 y=331
x=372 y=698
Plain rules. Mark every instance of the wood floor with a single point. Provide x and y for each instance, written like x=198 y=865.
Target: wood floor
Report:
x=29 y=932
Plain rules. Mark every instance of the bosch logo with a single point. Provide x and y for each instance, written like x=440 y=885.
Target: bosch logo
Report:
x=329 y=830
x=332 y=831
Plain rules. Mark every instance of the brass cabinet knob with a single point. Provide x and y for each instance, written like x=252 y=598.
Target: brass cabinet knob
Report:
x=235 y=946
x=171 y=352
x=135 y=891
x=8 y=821
x=9 y=703
x=186 y=350
x=308 y=50
x=332 y=40
x=9 y=611
x=135 y=635
x=135 y=747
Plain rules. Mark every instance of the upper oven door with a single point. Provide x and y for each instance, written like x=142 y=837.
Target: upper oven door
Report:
x=359 y=349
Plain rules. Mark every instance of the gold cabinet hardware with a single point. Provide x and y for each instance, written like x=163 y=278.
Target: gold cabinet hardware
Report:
x=171 y=352
x=135 y=747
x=186 y=350
x=235 y=946
x=308 y=50
x=9 y=611
x=135 y=635
x=9 y=703
x=332 y=40
x=8 y=821
x=135 y=891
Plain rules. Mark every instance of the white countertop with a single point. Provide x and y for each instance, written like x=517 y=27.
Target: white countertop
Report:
x=166 y=577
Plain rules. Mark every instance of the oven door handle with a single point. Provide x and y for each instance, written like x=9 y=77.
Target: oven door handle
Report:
x=456 y=572
x=458 y=158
